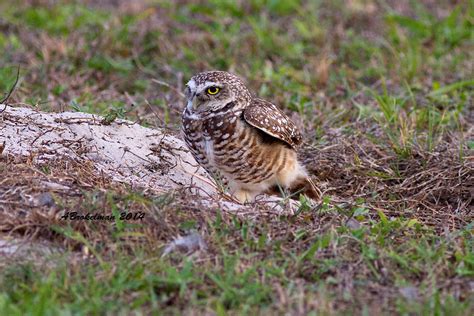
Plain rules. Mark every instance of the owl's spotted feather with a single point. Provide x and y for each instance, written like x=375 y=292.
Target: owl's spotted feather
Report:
x=247 y=143
x=269 y=118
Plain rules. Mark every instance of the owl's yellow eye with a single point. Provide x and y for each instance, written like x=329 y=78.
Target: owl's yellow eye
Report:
x=213 y=90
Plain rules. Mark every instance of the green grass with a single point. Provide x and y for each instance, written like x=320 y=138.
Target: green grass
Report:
x=384 y=96
x=247 y=269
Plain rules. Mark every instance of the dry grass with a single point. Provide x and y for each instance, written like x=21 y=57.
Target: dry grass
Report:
x=433 y=187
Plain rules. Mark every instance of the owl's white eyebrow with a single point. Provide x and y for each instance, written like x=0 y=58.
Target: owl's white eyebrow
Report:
x=192 y=85
x=208 y=84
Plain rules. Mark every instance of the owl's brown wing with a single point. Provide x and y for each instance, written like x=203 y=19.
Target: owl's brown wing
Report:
x=270 y=119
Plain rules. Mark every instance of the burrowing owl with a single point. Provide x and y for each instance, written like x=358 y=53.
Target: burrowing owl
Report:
x=247 y=143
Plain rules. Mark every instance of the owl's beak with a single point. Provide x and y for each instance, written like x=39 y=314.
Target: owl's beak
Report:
x=195 y=105
x=192 y=103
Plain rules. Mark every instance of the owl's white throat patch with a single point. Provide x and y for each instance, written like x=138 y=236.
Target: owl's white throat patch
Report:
x=190 y=114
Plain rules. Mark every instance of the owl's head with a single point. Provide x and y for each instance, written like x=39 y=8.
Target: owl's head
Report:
x=216 y=91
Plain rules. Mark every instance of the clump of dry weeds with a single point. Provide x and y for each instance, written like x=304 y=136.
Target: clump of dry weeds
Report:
x=436 y=188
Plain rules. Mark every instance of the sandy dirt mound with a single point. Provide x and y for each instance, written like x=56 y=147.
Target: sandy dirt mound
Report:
x=125 y=151
x=144 y=158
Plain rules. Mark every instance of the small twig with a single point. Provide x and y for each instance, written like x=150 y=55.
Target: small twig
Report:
x=169 y=86
x=42 y=134
x=5 y=100
x=156 y=114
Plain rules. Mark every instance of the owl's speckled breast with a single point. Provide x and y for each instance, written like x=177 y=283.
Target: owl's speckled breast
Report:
x=227 y=145
x=204 y=135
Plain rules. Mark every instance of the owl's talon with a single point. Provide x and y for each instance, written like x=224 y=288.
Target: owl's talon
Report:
x=243 y=196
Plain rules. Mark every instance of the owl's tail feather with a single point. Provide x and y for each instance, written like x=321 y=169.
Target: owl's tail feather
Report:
x=304 y=185
x=311 y=190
